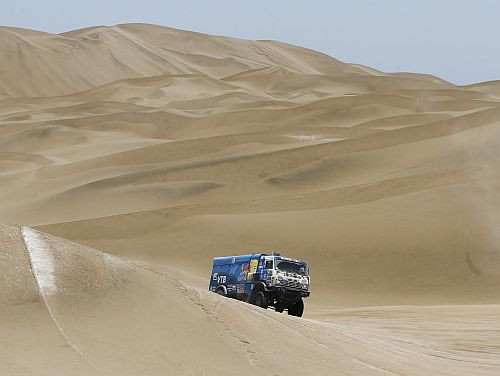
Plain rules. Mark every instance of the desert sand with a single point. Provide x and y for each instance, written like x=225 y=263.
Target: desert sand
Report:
x=156 y=149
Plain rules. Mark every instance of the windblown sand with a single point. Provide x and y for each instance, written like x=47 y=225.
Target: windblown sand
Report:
x=167 y=148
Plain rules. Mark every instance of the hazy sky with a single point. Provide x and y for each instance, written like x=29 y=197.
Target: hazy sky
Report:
x=457 y=40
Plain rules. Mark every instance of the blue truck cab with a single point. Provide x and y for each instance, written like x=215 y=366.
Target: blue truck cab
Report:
x=263 y=279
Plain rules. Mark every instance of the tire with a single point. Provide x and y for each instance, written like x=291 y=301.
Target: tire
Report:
x=261 y=300
x=297 y=309
x=220 y=291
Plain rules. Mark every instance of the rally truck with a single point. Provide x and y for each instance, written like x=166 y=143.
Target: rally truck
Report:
x=263 y=279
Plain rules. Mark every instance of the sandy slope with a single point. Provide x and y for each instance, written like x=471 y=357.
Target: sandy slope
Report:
x=100 y=315
x=169 y=147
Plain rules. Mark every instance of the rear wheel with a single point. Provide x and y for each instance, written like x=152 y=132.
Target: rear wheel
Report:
x=220 y=291
x=297 y=309
x=261 y=300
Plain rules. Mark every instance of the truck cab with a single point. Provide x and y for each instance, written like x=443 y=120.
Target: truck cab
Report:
x=263 y=279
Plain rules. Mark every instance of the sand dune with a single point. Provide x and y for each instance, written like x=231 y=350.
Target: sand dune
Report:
x=104 y=54
x=100 y=315
x=167 y=148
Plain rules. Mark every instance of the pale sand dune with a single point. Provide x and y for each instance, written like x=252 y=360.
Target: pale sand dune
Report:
x=168 y=148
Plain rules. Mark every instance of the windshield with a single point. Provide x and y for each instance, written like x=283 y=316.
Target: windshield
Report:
x=292 y=267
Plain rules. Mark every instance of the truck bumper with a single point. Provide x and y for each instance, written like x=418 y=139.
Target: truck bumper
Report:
x=283 y=293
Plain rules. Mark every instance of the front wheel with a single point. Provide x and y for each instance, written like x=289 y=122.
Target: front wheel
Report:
x=297 y=309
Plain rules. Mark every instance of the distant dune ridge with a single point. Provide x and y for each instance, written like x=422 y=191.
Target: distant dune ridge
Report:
x=42 y=64
x=167 y=148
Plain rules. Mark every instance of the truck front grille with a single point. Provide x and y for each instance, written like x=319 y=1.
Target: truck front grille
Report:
x=291 y=285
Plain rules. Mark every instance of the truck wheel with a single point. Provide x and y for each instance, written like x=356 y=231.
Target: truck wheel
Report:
x=297 y=309
x=261 y=300
x=220 y=291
